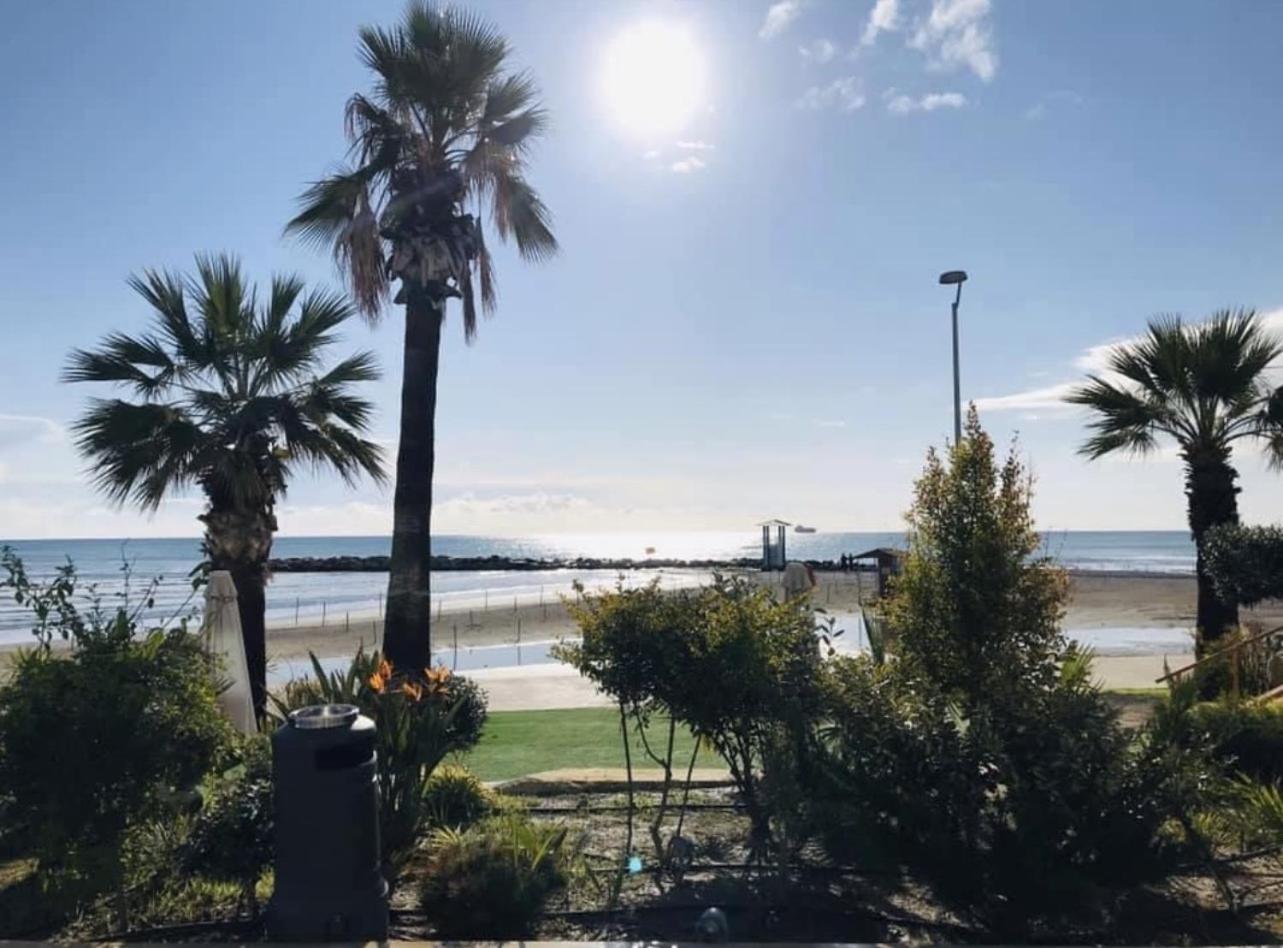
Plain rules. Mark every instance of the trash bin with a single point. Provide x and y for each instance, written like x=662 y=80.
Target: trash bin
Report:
x=328 y=880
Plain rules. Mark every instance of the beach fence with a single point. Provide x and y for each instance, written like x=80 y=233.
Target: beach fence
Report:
x=545 y=600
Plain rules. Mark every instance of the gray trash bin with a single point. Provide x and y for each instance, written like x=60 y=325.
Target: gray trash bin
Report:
x=328 y=880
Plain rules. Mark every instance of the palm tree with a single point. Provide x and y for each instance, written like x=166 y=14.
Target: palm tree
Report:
x=231 y=398
x=442 y=138
x=1205 y=387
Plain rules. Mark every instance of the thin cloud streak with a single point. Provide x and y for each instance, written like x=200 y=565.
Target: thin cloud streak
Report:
x=779 y=16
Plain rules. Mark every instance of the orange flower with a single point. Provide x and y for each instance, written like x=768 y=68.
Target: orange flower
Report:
x=437 y=679
x=411 y=690
x=385 y=669
x=377 y=683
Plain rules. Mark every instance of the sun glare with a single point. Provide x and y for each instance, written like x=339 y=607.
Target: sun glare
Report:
x=653 y=78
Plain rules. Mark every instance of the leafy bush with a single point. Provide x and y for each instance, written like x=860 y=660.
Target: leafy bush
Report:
x=493 y=880
x=1246 y=738
x=456 y=797
x=981 y=757
x=231 y=837
x=1245 y=563
x=111 y=735
x=417 y=714
x=973 y=601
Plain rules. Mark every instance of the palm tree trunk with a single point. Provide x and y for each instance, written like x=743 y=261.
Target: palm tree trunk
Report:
x=406 y=636
x=1213 y=500
x=251 y=602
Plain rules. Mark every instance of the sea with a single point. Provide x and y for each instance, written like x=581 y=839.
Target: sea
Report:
x=163 y=566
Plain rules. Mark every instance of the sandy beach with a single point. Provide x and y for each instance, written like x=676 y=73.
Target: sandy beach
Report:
x=1098 y=601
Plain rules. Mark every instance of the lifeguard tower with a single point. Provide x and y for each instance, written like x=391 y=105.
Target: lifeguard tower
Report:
x=773 y=551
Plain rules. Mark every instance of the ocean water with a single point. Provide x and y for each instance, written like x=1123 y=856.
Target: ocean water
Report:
x=170 y=561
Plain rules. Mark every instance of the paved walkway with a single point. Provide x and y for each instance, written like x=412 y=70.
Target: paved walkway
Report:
x=542 y=687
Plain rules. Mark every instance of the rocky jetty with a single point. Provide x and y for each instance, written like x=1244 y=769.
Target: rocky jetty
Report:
x=379 y=564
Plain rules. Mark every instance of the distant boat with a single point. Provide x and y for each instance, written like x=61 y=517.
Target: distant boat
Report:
x=801 y=529
x=650 y=551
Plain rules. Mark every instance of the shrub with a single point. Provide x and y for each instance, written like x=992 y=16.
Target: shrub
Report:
x=417 y=716
x=109 y=736
x=232 y=836
x=1247 y=739
x=973 y=601
x=456 y=797
x=981 y=757
x=1245 y=563
x=493 y=880
x=751 y=668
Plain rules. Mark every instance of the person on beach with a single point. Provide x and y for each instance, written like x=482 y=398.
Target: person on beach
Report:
x=799 y=579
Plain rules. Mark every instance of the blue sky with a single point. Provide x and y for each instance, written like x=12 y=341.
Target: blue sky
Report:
x=744 y=319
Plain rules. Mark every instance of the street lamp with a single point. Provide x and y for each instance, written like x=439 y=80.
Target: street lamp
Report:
x=955 y=278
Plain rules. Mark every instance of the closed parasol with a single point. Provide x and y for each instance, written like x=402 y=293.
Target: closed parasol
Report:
x=222 y=630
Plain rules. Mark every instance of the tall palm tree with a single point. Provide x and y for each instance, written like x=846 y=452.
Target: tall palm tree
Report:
x=442 y=138
x=1205 y=386
x=231 y=397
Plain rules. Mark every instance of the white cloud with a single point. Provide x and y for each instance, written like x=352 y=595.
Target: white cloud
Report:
x=903 y=104
x=689 y=165
x=844 y=94
x=651 y=155
x=883 y=18
x=695 y=146
x=29 y=429
x=956 y=34
x=779 y=16
x=1061 y=97
x=821 y=51
x=1094 y=360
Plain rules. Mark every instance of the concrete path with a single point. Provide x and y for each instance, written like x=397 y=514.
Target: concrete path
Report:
x=543 y=687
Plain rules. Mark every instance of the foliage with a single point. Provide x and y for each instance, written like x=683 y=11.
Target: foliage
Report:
x=1245 y=563
x=981 y=757
x=973 y=601
x=455 y=797
x=1246 y=738
x=448 y=125
x=230 y=393
x=104 y=738
x=415 y=714
x=231 y=838
x=635 y=646
x=493 y=880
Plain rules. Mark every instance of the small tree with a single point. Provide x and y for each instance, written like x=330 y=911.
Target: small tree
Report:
x=975 y=608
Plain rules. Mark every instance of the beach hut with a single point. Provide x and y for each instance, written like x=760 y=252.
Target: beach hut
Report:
x=888 y=562
x=773 y=548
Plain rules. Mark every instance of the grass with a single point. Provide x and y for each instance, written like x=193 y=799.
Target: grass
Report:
x=516 y=743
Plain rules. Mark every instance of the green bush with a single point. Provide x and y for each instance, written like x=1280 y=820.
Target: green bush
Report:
x=417 y=715
x=980 y=757
x=493 y=880
x=1247 y=739
x=456 y=798
x=108 y=736
x=232 y=836
x=1245 y=563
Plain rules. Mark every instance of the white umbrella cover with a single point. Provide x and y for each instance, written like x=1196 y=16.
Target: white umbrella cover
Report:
x=222 y=629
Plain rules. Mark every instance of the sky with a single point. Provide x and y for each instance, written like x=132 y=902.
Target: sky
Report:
x=753 y=202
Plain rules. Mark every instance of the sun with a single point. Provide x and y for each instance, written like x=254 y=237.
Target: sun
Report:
x=653 y=78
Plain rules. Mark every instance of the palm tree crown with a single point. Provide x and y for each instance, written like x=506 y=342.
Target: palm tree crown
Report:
x=447 y=127
x=1204 y=385
x=231 y=395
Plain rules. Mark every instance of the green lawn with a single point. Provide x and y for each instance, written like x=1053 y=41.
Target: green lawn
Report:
x=515 y=743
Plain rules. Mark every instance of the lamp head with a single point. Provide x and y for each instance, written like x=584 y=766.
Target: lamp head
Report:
x=949 y=277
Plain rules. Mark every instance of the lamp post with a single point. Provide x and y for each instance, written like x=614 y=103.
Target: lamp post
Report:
x=955 y=278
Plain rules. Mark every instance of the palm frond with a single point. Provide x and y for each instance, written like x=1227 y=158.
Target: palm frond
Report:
x=123 y=360
x=136 y=447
